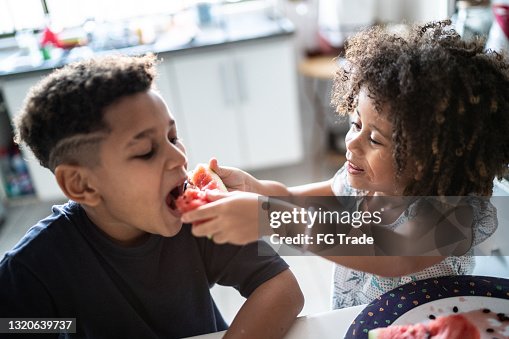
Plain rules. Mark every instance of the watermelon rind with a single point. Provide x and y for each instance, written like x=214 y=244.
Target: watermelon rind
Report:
x=373 y=334
x=220 y=183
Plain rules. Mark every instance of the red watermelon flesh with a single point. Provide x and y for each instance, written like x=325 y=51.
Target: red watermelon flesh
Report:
x=206 y=179
x=191 y=198
x=447 y=327
x=202 y=178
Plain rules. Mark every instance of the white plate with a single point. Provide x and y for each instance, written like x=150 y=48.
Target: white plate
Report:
x=445 y=306
x=416 y=301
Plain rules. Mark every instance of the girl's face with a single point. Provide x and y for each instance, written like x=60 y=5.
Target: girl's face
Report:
x=369 y=154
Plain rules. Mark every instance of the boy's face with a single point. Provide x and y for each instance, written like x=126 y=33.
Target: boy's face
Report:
x=369 y=155
x=142 y=170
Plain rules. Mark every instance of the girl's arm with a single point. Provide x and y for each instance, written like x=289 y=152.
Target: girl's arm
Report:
x=238 y=180
x=316 y=189
x=455 y=220
x=270 y=310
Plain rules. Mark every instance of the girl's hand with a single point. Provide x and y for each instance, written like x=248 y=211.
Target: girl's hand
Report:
x=233 y=178
x=229 y=218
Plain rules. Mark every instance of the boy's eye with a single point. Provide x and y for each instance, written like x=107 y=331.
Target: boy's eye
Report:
x=147 y=155
x=173 y=140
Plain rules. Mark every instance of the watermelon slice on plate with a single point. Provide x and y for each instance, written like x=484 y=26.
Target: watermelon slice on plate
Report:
x=483 y=301
x=202 y=178
x=454 y=326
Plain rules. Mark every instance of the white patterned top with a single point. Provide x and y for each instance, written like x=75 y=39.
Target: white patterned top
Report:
x=353 y=287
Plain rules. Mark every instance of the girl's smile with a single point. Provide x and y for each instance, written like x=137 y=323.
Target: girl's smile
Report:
x=351 y=167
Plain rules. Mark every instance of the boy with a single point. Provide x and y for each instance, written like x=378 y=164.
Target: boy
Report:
x=116 y=257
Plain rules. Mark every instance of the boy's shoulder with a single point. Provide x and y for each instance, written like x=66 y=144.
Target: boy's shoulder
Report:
x=43 y=238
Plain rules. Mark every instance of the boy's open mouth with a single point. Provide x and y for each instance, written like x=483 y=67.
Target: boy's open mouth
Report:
x=173 y=195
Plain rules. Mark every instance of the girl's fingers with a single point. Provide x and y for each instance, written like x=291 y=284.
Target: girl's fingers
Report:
x=205 y=229
x=221 y=171
x=219 y=238
x=214 y=195
x=213 y=164
x=201 y=213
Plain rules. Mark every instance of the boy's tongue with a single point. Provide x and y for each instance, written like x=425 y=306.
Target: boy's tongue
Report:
x=173 y=195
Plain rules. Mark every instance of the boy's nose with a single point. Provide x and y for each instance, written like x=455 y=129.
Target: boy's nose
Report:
x=175 y=156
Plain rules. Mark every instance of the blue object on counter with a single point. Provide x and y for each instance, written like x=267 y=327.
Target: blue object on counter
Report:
x=17 y=180
x=204 y=13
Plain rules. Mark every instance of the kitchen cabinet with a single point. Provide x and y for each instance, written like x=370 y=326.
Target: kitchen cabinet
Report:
x=204 y=104
x=239 y=103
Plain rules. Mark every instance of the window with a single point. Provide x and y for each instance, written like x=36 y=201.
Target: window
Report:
x=72 y=13
x=18 y=15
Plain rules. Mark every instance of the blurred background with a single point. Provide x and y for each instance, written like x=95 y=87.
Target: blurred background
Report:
x=248 y=82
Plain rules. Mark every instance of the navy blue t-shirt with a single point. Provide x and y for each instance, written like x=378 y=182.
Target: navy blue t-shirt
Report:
x=65 y=267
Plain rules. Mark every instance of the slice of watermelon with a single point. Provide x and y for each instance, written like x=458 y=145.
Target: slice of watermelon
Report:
x=201 y=178
x=206 y=179
x=191 y=198
x=447 y=327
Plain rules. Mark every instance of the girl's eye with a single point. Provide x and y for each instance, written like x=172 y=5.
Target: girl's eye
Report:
x=373 y=141
x=174 y=140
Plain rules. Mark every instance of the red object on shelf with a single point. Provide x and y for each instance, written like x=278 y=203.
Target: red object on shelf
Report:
x=501 y=13
x=49 y=37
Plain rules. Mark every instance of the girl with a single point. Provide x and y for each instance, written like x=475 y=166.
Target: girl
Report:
x=430 y=118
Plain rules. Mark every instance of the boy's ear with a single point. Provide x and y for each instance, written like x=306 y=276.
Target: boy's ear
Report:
x=74 y=181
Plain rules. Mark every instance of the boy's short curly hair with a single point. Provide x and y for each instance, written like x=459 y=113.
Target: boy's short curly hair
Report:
x=62 y=115
x=447 y=100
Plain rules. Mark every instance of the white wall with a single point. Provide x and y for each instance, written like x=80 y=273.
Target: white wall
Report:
x=414 y=10
x=307 y=16
x=426 y=10
x=391 y=10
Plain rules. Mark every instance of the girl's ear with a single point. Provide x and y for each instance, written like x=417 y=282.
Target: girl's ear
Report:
x=74 y=181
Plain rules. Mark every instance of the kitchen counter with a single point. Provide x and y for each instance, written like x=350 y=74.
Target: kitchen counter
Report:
x=243 y=28
x=327 y=325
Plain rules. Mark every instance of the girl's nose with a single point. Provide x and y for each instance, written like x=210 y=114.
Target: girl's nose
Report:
x=353 y=142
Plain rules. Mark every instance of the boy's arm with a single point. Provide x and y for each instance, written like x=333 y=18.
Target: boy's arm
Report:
x=270 y=310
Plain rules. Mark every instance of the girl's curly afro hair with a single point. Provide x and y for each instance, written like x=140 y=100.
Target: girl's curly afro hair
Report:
x=447 y=100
